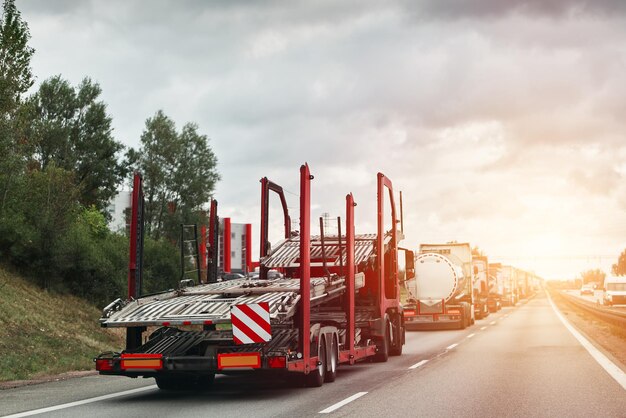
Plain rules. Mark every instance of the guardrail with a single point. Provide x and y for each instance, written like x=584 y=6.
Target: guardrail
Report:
x=617 y=318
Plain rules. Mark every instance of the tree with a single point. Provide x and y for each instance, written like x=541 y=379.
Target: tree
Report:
x=15 y=54
x=15 y=79
x=619 y=269
x=593 y=276
x=179 y=174
x=69 y=127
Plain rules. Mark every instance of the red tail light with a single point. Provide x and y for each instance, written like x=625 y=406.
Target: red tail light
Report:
x=277 y=362
x=104 y=365
x=409 y=313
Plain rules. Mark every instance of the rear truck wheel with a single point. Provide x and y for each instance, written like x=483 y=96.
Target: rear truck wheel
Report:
x=396 y=350
x=316 y=377
x=333 y=362
x=463 y=322
x=382 y=355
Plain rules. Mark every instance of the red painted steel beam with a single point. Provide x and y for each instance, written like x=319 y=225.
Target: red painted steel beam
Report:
x=227 y=249
x=203 y=240
x=249 y=247
x=305 y=266
x=134 y=235
x=350 y=285
x=385 y=183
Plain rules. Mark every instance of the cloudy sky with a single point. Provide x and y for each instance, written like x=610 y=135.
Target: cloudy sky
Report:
x=504 y=123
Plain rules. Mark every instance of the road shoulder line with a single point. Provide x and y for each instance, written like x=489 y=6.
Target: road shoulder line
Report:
x=342 y=403
x=418 y=364
x=78 y=403
x=611 y=368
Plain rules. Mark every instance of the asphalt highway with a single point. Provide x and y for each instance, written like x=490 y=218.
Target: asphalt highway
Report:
x=521 y=361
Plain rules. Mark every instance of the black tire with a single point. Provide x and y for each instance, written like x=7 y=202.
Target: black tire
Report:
x=382 y=355
x=396 y=350
x=331 y=373
x=463 y=321
x=316 y=377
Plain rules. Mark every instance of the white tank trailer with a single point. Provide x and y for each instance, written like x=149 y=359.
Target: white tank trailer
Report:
x=440 y=295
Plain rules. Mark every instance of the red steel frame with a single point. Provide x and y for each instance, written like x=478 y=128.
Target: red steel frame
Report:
x=203 y=259
x=266 y=187
x=133 y=269
x=304 y=343
x=350 y=277
x=248 y=247
x=227 y=241
x=385 y=303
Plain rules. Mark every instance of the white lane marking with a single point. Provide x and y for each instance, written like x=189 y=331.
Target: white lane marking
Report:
x=342 y=403
x=470 y=336
x=482 y=328
x=451 y=346
x=418 y=364
x=493 y=323
x=78 y=403
x=610 y=367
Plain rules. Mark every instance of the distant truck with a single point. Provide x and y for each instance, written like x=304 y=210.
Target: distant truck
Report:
x=509 y=282
x=614 y=291
x=481 y=286
x=496 y=287
x=441 y=293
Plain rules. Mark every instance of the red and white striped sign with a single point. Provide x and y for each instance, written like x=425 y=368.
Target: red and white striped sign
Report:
x=251 y=323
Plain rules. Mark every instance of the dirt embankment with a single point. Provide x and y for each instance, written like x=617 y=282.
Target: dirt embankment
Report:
x=44 y=335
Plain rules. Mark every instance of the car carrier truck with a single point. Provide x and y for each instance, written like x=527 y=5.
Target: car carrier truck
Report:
x=441 y=293
x=338 y=303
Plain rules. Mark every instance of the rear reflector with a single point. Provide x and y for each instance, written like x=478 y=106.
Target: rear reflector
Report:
x=103 y=365
x=453 y=312
x=409 y=313
x=142 y=361
x=236 y=360
x=277 y=362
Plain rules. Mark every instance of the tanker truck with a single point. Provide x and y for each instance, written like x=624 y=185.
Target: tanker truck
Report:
x=440 y=294
x=496 y=287
x=481 y=286
x=509 y=281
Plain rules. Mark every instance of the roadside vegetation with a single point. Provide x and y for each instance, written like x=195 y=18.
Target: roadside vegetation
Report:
x=60 y=166
x=46 y=333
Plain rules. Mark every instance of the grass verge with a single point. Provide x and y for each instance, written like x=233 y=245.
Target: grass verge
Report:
x=43 y=333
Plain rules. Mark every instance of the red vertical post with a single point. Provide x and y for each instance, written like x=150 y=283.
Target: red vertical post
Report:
x=203 y=241
x=305 y=266
x=227 y=241
x=380 y=243
x=134 y=235
x=384 y=182
x=249 y=247
x=350 y=285
x=263 y=234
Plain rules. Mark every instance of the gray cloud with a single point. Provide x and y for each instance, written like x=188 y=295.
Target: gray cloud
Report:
x=485 y=113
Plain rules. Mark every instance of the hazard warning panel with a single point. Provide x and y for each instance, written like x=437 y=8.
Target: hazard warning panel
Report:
x=251 y=323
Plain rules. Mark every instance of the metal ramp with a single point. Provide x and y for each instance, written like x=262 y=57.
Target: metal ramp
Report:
x=210 y=303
